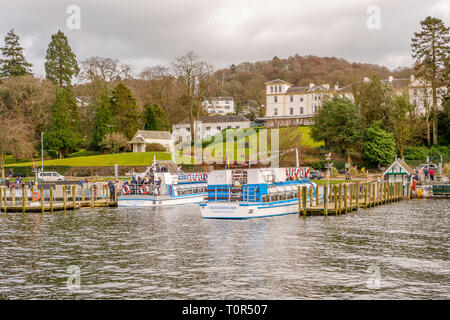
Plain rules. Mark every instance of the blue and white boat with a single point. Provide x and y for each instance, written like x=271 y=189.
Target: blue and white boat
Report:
x=173 y=189
x=254 y=193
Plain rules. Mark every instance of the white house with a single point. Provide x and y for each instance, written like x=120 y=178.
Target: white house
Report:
x=421 y=95
x=219 y=105
x=144 y=137
x=207 y=126
x=292 y=106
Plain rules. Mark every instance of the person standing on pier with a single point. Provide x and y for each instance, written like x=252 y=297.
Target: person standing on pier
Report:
x=431 y=173
x=112 y=189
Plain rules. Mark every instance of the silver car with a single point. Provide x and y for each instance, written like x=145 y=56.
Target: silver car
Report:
x=51 y=177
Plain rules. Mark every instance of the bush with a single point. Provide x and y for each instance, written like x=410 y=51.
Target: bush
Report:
x=115 y=142
x=319 y=165
x=154 y=147
x=446 y=169
x=422 y=152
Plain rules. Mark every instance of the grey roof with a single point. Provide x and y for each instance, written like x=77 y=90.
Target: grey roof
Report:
x=149 y=134
x=217 y=119
x=297 y=89
x=277 y=81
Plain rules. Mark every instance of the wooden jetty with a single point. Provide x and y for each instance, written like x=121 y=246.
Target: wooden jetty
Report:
x=344 y=198
x=57 y=197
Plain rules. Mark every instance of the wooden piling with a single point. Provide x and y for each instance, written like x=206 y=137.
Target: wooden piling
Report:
x=325 y=199
x=357 y=195
x=23 y=199
x=51 y=199
x=92 y=196
x=42 y=200
x=64 y=197
x=304 y=201
x=13 y=196
x=299 y=200
x=365 y=195
x=345 y=198
x=1 y=199
x=82 y=192
x=311 y=203
x=351 y=187
x=335 y=199
x=317 y=195
x=374 y=186
x=74 y=189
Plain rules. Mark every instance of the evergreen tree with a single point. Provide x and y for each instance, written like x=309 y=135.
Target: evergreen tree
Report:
x=60 y=138
x=150 y=118
x=125 y=111
x=61 y=64
x=430 y=48
x=104 y=120
x=13 y=63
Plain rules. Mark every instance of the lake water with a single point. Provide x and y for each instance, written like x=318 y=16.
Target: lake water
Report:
x=398 y=251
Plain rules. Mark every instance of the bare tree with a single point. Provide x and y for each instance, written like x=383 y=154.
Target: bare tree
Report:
x=104 y=69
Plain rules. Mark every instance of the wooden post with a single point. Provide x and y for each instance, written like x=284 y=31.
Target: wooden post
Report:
x=64 y=197
x=83 y=197
x=317 y=195
x=92 y=196
x=13 y=196
x=365 y=194
x=345 y=198
x=299 y=200
x=51 y=199
x=409 y=191
x=374 y=186
x=42 y=200
x=357 y=195
x=23 y=199
x=6 y=202
x=107 y=197
x=1 y=199
x=74 y=189
x=339 y=198
x=311 y=196
x=325 y=199
x=115 y=194
x=351 y=187
x=304 y=201
x=335 y=199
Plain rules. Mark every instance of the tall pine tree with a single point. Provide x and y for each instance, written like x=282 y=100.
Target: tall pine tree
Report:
x=155 y=118
x=61 y=137
x=125 y=111
x=431 y=50
x=61 y=64
x=13 y=63
x=104 y=120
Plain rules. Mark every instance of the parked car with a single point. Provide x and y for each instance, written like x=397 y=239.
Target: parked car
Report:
x=316 y=175
x=51 y=177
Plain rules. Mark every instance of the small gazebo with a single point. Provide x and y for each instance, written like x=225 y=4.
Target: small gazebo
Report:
x=399 y=171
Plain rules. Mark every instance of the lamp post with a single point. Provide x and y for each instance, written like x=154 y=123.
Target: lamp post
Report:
x=42 y=153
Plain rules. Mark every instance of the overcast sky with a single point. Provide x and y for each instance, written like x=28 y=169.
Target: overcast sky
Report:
x=222 y=32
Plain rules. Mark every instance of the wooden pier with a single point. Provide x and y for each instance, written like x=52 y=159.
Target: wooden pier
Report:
x=345 y=198
x=57 y=197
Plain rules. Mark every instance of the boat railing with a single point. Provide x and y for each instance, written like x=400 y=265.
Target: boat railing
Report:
x=139 y=189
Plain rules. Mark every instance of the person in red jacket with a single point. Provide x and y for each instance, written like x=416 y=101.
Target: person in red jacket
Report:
x=431 y=173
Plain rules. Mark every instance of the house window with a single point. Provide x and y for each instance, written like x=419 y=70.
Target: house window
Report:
x=279 y=88
x=291 y=110
x=301 y=99
x=237 y=127
x=301 y=110
x=271 y=89
x=188 y=129
x=208 y=128
x=219 y=128
x=292 y=98
x=228 y=127
x=275 y=111
x=275 y=99
x=315 y=109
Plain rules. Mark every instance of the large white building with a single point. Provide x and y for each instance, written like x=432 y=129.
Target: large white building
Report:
x=293 y=106
x=207 y=126
x=219 y=105
x=421 y=95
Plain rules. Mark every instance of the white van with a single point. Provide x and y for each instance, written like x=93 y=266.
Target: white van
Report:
x=51 y=177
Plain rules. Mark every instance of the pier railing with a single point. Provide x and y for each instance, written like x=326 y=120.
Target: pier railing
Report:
x=343 y=198
x=56 y=197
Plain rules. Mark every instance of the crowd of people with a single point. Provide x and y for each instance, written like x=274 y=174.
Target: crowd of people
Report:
x=424 y=174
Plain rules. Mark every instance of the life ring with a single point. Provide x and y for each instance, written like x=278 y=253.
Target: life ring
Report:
x=36 y=196
x=126 y=189
x=144 y=189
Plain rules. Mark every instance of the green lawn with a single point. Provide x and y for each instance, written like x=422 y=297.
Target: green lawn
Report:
x=122 y=159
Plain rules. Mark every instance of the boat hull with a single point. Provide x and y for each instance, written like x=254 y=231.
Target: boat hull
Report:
x=237 y=210
x=163 y=201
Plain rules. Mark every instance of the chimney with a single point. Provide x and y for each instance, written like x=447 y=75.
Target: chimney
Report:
x=412 y=78
x=311 y=85
x=391 y=78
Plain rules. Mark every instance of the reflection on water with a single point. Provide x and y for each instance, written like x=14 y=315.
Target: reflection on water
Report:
x=396 y=251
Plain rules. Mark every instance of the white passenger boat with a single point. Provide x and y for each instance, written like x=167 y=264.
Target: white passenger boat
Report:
x=254 y=193
x=174 y=189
